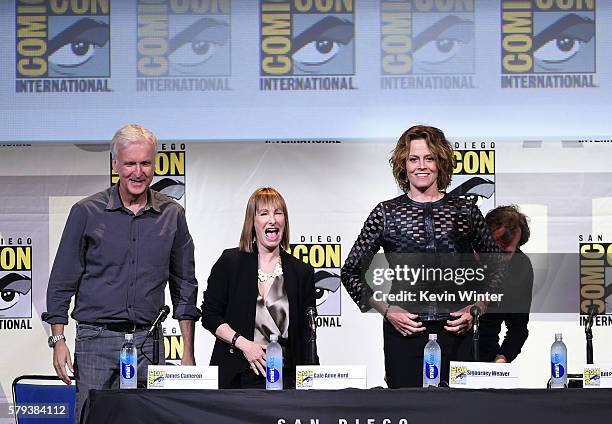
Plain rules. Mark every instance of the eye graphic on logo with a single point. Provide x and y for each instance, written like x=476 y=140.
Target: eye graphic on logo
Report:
x=562 y=40
x=475 y=186
x=170 y=187
x=442 y=41
x=12 y=287
x=321 y=295
x=77 y=44
x=8 y=298
x=320 y=43
x=197 y=44
x=326 y=283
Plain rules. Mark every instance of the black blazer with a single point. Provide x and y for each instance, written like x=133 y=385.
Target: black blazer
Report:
x=231 y=297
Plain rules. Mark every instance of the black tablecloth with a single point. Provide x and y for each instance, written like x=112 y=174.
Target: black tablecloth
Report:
x=406 y=406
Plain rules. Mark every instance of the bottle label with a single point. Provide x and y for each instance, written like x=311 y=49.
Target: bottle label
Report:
x=272 y=375
x=431 y=371
x=127 y=370
x=557 y=370
x=557 y=361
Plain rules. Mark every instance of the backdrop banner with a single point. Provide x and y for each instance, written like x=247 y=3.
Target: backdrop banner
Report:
x=330 y=189
x=310 y=69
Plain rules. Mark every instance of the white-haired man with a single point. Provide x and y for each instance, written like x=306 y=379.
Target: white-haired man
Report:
x=118 y=249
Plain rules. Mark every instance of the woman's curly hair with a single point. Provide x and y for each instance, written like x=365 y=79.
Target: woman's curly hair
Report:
x=438 y=145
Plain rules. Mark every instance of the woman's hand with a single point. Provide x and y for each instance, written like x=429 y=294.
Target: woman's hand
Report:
x=403 y=321
x=254 y=353
x=463 y=320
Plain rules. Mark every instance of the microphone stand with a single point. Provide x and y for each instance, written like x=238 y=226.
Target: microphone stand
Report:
x=312 y=347
x=588 y=330
x=155 y=334
x=476 y=340
x=156 y=346
x=311 y=314
x=163 y=314
x=475 y=312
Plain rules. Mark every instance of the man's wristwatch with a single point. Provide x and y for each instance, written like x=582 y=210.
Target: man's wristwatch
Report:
x=54 y=339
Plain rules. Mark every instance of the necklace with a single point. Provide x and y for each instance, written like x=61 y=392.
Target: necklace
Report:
x=264 y=277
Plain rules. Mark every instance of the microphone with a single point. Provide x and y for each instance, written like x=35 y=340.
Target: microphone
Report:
x=593 y=311
x=311 y=314
x=475 y=312
x=161 y=317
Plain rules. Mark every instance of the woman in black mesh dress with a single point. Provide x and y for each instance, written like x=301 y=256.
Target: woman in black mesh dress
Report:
x=425 y=223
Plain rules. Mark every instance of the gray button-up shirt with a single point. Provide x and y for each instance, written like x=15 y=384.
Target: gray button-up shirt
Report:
x=117 y=263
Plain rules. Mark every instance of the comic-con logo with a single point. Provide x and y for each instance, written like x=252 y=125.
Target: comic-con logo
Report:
x=304 y=378
x=592 y=377
x=169 y=177
x=458 y=375
x=174 y=346
x=156 y=378
x=474 y=173
x=62 y=46
x=15 y=282
x=595 y=288
x=427 y=44
x=309 y=41
x=548 y=43
x=183 y=45
x=324 y=257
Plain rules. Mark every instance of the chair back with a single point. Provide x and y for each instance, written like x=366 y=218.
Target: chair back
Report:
x=48 y=395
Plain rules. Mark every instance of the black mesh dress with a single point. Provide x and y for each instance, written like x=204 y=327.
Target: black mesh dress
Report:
x=448 y=226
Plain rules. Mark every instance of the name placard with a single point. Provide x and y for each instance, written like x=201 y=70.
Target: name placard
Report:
x=597 y=376
x=182 y=377
x=483 y=375
x=330 y=377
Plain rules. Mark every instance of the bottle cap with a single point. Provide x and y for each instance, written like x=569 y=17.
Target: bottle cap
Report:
x=433 y=337
x=129 y=337
x=273 y=337
x=558 y=336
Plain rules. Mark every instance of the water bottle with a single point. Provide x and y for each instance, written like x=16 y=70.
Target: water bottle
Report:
x=128 y=363
x=432 y=358
x=558 y=363
x=274 y=365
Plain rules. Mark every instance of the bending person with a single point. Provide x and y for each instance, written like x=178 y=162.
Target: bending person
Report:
x=510 y=230
x=425 y=223
x=257 y=290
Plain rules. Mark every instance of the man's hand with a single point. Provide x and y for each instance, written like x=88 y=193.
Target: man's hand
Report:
x=61 y=359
